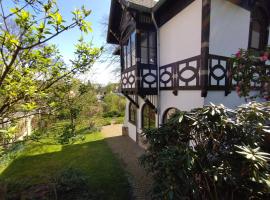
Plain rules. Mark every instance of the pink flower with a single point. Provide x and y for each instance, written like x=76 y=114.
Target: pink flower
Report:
x=263 y=58
x=238 y=54
x=237 y=88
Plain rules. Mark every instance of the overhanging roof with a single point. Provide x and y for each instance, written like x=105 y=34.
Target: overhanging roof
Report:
x=117 y=7
x=156 y=6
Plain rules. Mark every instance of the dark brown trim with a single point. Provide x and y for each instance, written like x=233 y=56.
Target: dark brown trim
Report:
x=175 y=75
x=131 y=100
x=264 y=23
x=205 y=35
x=166 y=112
x=169 y=9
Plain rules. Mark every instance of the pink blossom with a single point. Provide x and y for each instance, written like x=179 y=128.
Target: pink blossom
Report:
x=238 y=54
x=237 y=88
x=263 y=58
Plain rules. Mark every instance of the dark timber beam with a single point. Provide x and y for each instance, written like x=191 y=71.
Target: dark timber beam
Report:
x=206 y=7
x=131 y=100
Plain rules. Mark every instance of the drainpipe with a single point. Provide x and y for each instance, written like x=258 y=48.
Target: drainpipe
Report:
x=158 y=66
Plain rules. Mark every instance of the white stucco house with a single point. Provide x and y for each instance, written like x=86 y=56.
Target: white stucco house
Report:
x=175 y=53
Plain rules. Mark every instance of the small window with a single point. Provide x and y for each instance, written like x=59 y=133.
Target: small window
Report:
x=129 y=52
x=128 y=55
x=258 y=30
x=132 y=113
x=133 y=49
x=168 y=114
x=148 y=48
x=148 y=117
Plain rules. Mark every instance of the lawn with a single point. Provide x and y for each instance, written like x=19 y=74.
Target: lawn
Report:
x=38 y=163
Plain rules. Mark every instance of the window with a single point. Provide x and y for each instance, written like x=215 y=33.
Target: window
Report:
x=148 y=117
x=258 y=35
x=129 y=52
x=133 y=49
x=132 y=113
x=168 y=114
x=148 y=48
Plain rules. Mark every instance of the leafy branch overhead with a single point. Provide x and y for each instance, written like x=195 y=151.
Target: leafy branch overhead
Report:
x=29 y=67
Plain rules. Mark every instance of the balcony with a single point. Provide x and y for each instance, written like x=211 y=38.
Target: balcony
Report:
x=138 y=63
x=140 y=79
x=187 y=75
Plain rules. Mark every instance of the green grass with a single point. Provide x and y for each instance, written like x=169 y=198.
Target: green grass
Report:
x=39 y=162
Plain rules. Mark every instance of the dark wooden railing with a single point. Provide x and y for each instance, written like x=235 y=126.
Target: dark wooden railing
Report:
x=182 y=75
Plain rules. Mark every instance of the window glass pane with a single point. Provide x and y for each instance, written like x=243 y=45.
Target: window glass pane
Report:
x=133 y=58
x=149 y=117
x=145 y=117
x=133 y=49
x=132 y=38
x=152 y=119
x=152 y=40
x=132 y=113
x=144 y=55
x=124 y=57
x=152 y=56
x=144 y=39
x=128 y=55
x=255 y=35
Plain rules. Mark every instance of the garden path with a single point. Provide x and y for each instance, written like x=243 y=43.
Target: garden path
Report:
x=128 y=152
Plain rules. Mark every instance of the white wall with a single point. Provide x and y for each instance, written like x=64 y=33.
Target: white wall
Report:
x=185 y=101
x=229 y=28
x=218 y=97
x=180 y=37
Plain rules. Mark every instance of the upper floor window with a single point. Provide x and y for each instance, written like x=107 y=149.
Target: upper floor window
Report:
x=148 y=48
x=148 y=117
x=258 y=29
x=129 y=52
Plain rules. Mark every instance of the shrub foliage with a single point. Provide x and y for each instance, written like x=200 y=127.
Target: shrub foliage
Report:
x=211 y=153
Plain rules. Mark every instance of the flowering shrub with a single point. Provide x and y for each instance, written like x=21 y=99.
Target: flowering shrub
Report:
x=249 y=66
x=211 y=153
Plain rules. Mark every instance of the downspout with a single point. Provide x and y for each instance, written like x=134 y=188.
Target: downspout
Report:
x=158 y=66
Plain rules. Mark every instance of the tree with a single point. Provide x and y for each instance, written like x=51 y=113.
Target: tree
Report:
x=28 y=66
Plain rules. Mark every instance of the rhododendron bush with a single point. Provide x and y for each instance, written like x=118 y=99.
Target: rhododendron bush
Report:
x=248 y=67
x=211 y=153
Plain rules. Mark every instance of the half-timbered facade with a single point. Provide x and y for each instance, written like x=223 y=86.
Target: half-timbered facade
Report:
x=175 y=53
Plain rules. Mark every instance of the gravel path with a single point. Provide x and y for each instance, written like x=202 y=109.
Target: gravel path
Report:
x=128 y=152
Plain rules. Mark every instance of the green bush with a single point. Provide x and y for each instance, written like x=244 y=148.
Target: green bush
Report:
x=71 y=184
x=211 y=153
x=67 y=135
x=68 y=184
x=113 y=113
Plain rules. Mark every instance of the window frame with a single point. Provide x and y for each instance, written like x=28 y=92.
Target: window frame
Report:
x=148 y=115
x=147 y=47
x=164 y=118
x=128 y=53
x=258 y=15
x=129 y=113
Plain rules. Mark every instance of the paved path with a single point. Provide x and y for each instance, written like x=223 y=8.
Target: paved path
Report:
x=128 y=152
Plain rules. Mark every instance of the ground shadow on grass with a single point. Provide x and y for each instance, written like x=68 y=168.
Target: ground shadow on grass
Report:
x=105 y=175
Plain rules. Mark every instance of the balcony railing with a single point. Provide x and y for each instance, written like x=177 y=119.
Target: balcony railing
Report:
x=141 y=79
x=182 y=75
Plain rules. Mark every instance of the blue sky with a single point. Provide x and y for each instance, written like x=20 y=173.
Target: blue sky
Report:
x=65 y=42
x=100 y=72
